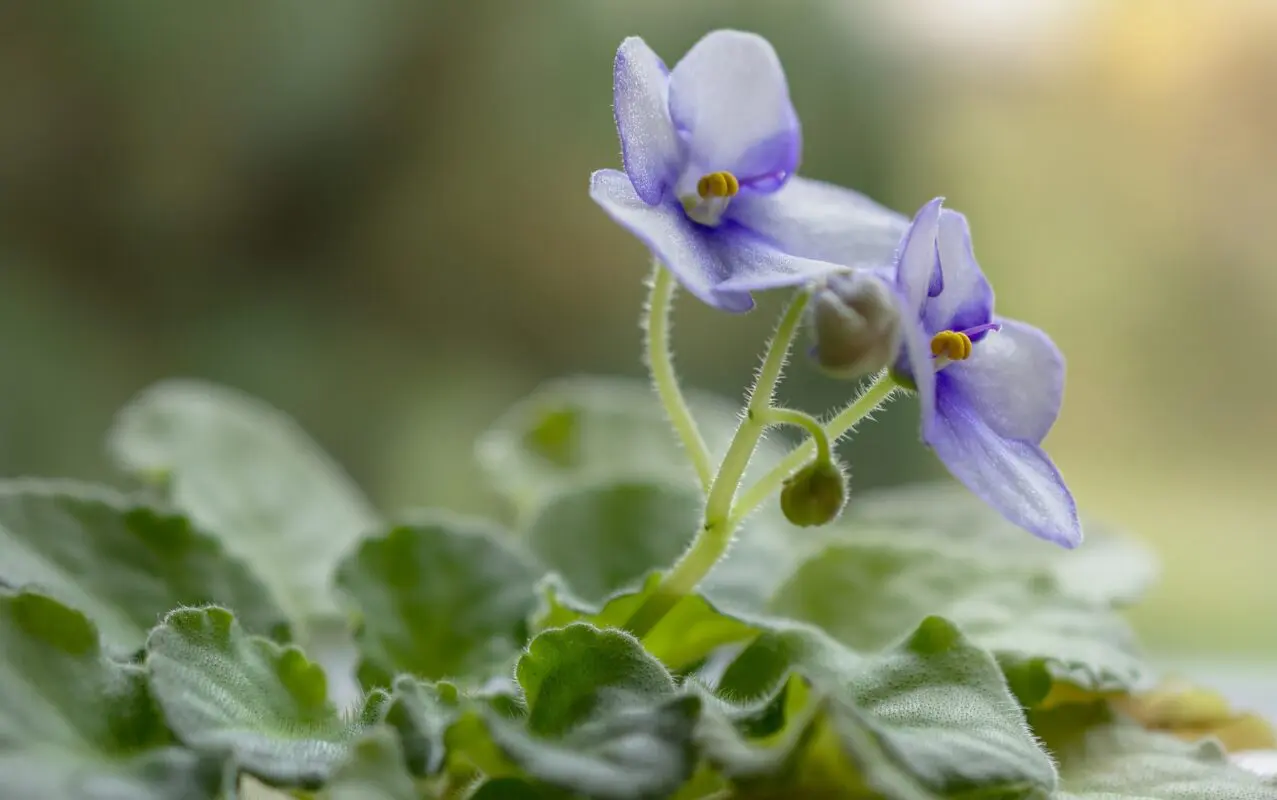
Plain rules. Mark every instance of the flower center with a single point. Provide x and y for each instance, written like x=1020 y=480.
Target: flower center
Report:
x=713 y=194
x=950 y=346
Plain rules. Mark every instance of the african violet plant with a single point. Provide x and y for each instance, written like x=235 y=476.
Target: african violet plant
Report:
x=669 y=605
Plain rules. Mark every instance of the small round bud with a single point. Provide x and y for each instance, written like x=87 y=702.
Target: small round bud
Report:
x=855 y=321
x=814 y=495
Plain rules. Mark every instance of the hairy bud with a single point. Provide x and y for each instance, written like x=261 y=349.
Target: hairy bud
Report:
x=814 y=495
x=855 y=321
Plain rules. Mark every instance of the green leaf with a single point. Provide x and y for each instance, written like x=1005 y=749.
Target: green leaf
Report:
x=512 y=789
x=121 y=562
x=374 y=770
x=946 y=518
x=421 y=713
x=248 y=474
x=691 y=630
x=604 y=718
x=870 y=592
x=934 y=707
x=1105 y=758
x=441 y=597
x=75 y=724
x=223 y=689
x=601 y=538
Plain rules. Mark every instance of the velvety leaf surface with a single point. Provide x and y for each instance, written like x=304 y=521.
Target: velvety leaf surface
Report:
x=603 y=717
x=120 y=561
x=221 y=688
x=935 y=705
x=602 y=538
x=688 y=633
x=868 y=593
x=1106 y=758
x=420 y=713
x=442 y=597
x=374 y=770
x=75 y=724
x=248 y=474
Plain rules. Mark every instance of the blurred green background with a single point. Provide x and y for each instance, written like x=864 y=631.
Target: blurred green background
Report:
x=374 y=215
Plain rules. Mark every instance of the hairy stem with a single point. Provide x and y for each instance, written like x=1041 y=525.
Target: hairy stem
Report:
x=716 y=533
x=660 y=363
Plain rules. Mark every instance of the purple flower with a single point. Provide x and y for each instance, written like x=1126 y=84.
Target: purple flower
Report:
x=990 y=387
x=710 y=149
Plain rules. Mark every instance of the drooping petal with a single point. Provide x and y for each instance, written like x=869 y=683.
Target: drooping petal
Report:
x=813 y=219
x=650 y=147
x=730 y=102
x=678 y=242
x=967 y=299
x=1014 y=380
x=1013 y=476
x=915 y=365
x=918 y=272
x=757 y=265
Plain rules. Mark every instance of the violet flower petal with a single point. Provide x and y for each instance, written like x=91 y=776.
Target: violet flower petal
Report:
x=678 y=242
x=1014 y=380
x=813 y=219
x=967 y=299
x=757 y=265
x=650 y=147
x=1013 y=476
x=918 y=271
x=729 y=101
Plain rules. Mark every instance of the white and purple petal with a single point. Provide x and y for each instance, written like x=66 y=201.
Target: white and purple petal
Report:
x=729 y=102
x=818 y=220
x=917 y=260
x=650 y=147
x=1014 y=380
x=1013 y=476
x=967 y=299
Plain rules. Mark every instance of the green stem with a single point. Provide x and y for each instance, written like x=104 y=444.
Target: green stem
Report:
x=716 y=533
x=660 y=361
x=873 y=396
x=789 y=416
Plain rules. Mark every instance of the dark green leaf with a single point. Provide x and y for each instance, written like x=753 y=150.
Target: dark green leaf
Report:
x=1106 y=758
x=602 y=538
x=421 y=713
x=74 y=724
x=934 y=706
x=443 y=597
x=223 y=689
x=248 y=474
x=868 y=593
x=604 y=718
x=121 y=562
x=687 y=634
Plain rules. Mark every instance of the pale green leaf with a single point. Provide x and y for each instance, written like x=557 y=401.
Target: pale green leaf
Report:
x=120 y=561
x=248 y=474
x=374 y=770
x=441 y=597
x=221 y=689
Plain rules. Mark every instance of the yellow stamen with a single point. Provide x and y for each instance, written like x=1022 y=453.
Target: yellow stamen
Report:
x=718 y=184
x=953 y=345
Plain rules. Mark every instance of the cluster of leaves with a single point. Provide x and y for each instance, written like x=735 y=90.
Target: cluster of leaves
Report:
x=152 y=642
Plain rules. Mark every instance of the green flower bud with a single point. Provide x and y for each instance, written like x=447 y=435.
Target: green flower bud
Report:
x=855 y=321
x=814 y=495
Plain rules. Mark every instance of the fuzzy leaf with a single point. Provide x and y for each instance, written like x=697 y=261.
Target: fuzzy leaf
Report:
x=75 y=724
x=421 y=713
x=223 y=689
x=1102 y=757
x=248 y=474
x=442 y=597
x=120 y=561
x=604 y=718
x=933 y=707
x=374 y=770
x=867 y=593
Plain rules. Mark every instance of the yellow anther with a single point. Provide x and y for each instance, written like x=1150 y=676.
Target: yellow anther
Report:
x=718 y=184
x=952 y=345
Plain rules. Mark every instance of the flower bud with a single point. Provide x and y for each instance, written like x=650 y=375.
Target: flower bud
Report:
x=814 y=495
x=855 y=321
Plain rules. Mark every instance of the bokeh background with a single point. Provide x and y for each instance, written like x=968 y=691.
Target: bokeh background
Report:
x=374 y=215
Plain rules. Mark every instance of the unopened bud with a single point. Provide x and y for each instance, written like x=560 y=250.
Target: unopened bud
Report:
x=855 y=320
x=814 y=495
